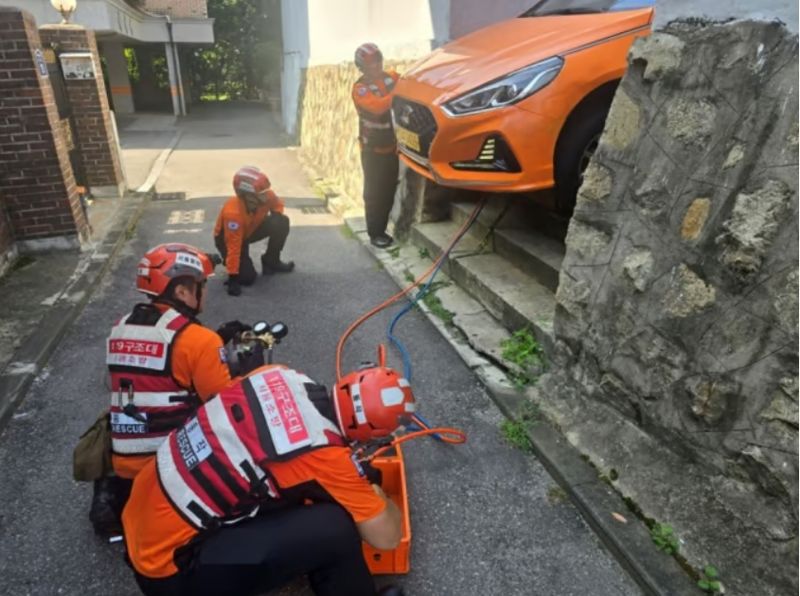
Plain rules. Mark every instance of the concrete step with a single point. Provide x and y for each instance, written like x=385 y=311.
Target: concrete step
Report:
x=508 y=226
x=514 y=212
x=533 y=253
x=515 y=298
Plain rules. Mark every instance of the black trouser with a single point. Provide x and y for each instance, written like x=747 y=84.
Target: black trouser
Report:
x=268 y=551
x=275 y=227
x=380 y=183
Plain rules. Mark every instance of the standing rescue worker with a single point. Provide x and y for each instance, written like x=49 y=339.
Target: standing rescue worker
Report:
x=372 y=95
x=254 y=213
x=163 y=364
x=277 y=441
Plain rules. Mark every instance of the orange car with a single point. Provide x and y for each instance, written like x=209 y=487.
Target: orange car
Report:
x=519 y=105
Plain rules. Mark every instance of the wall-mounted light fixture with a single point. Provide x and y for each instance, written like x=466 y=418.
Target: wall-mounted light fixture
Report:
x=65 y=7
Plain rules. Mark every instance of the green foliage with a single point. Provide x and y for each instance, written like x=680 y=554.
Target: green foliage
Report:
x=394 y=252
x=424 y=254
x=523 y=350
x=347 y=232
x=409 y=277
x=434 y=304
x=664 y=538
x=133 y=65
x=246 y=56
x=516 y=436
x=709 y=582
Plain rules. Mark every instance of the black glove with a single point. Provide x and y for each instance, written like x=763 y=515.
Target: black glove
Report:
x=373 y=474
x=227 y=331
x=234 y=289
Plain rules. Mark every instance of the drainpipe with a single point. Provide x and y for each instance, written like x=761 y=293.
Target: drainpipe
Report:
x=173 y=58
x=177 y=63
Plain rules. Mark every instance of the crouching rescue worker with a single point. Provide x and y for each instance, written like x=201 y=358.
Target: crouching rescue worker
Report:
x=261 y=486
x=372 y=95
x=163 y=365
x=254 y=213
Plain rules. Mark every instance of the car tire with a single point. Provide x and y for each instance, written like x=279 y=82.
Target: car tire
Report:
x=574 y=149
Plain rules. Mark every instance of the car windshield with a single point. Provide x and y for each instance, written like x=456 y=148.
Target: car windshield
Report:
x=560 y=7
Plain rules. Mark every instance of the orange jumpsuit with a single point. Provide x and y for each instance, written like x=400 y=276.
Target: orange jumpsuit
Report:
x=373 y=101
x=236 y=228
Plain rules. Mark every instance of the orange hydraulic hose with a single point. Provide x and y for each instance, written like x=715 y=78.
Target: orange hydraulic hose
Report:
x=389 y=301
x=446 y=435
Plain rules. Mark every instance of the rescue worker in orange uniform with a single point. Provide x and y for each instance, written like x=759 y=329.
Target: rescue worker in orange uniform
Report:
x=254 y=213
x=262 y=486
x=163 y=364
x=372 y=95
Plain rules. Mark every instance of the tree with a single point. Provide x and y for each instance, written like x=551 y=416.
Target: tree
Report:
x=246 y=55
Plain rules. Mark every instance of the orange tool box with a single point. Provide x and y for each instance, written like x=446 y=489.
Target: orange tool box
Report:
x=392 y=562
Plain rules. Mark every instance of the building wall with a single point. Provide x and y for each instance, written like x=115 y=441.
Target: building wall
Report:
x=36 y=180
x=468 y=15
x=177 y=8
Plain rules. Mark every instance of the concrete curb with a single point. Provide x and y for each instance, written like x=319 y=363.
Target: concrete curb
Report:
x=32 y=356
x=628 y=542
x=159 y=164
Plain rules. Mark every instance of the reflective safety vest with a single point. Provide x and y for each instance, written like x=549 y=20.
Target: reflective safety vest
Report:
x=214 y=469
x=146 y=401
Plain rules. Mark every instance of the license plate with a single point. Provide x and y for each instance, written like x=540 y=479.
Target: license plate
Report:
x=407 y=138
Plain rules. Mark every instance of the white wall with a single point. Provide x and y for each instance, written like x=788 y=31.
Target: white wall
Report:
x=401 y=29
x=468 y=15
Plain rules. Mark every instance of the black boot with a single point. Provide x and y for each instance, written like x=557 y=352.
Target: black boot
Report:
x=270 y=265
x=109 y=498
x=104 y=512
x=391 y=591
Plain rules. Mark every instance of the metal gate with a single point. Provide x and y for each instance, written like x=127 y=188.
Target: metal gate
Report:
x=65 y=117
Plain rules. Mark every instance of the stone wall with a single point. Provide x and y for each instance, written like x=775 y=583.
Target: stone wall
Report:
x=678 y=297
x=328 y=131
x=191 y=9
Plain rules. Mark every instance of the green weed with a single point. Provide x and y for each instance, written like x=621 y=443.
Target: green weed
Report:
x=423 y=253
x=434 y=304
x=523 y=350
x=393 y=252
x=516 y=436
x=409 y=277
x=347 y=232
x=556 y=495
x=709 y=582
x=664 y=538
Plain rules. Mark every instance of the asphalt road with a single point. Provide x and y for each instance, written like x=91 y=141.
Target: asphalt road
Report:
x=486 y=519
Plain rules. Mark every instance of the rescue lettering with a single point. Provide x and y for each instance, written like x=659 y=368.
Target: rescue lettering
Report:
x=122 y=424
x=192 y=444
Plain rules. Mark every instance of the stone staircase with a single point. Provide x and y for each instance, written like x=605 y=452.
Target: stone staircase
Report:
x=508 y=261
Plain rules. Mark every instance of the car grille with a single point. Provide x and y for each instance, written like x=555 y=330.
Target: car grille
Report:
x=418 y=119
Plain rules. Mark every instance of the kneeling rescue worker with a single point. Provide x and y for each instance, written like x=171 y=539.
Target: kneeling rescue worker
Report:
x=255 y=213
x=163 y=363
x=224 y=507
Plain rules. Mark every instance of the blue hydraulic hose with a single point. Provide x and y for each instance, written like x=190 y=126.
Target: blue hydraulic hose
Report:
x=407 y=370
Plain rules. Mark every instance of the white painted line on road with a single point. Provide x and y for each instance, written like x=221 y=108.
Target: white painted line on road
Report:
x=158 y=165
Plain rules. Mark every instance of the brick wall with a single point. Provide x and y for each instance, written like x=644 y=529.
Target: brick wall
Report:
x=37 y=187
x=90 y=109
x=178 y=8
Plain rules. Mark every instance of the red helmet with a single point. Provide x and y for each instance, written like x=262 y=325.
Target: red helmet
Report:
x=368 y=55
x=372 y=402
x=249 y=180
x=166 y=262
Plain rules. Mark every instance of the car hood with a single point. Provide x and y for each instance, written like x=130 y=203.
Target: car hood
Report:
x=491 y=52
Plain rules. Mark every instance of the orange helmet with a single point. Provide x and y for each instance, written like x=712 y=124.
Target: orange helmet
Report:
x=372 y=402
x=368 y=54
x=166 y=262
x=249 y=180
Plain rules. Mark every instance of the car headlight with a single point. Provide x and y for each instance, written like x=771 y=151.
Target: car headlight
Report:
x=506 y=90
